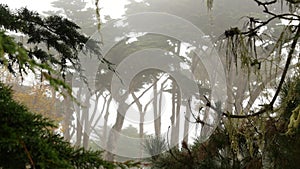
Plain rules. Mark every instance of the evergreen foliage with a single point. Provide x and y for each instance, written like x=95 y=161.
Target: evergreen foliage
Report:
x=28 y=140
x=267 y=138
x=52 y=47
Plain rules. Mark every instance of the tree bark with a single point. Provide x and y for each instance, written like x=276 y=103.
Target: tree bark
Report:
x=113 y=136
x=155 y=113
x=177 y=124
x=186 y=124
x=68 y=111
x=173 y=142
x=105 y=122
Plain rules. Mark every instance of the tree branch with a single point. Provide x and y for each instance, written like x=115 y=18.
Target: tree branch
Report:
x=287 y=64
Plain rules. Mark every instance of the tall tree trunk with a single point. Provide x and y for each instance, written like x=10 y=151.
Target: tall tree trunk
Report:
x=155 y=113
x=177 y=124
x=87 y=125
x=141 y=134
x=67 y=118
x=114 y=132
x=158 y=121
x=140 y=108
x=173 y=142
x=121 y=112
x=105 y=122
x=186 y=123
x=78 y=132
x=79 y=122
x=68 y=111
x=142 y=118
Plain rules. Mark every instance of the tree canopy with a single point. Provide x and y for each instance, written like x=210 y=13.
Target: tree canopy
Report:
x=259 y=126
x=29 y=140
x=52 y=46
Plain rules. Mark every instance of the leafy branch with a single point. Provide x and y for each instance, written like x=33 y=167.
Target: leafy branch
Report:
x=52 y=47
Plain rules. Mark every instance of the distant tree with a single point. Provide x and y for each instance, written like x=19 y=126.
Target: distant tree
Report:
x=38 y=97
x=78 y=12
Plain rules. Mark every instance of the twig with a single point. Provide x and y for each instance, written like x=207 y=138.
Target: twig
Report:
x=170 y=150
x=28 y=154
x=197 y=118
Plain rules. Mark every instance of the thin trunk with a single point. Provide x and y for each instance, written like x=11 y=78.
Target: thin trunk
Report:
x=173 y=142
x=140 y=108
x=105 y=122
x=178 y=102
x=156 y=116
x=68 y=111
x=187 y=123
x=78 y=133
x=142 y=118
x=85 y=115
x=101 y=113
x=67 y=118
x=158 y=121
x=116 y=129
x=121 y=112
x=141 y=134
x=79 y=122
x=177 y=124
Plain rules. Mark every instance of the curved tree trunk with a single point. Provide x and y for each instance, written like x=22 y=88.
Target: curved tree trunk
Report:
x=116 y=129
x=121 y=112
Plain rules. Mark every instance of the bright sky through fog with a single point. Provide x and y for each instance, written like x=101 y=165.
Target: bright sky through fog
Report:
x=114 y=8
x=36 y=5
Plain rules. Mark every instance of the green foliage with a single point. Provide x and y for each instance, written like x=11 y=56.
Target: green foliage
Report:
x=54 y=31
x=52 y=47
x=256 y=142
x=290 y=103
x=278 y=151
x=27 y=139
x=155 y=145
x=270 y=137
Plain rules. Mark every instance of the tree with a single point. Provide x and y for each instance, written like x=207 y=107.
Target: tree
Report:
x=39 y=97
x=252 y=136
x=55 y=43
x=28 y=141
